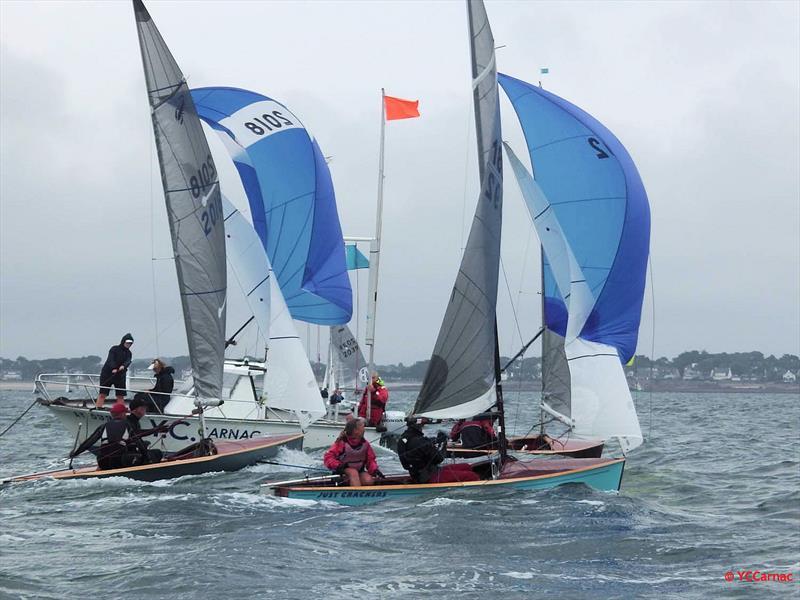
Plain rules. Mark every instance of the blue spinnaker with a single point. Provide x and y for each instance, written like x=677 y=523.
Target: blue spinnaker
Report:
x=292 y=202
x=595 y=190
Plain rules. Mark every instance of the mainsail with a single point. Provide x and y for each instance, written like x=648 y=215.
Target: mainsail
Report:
x=292 y=202
x=592 y=190
x=194 y=208
x=347 y=368
x=460 y=380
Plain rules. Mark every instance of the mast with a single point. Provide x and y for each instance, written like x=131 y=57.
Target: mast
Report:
x=375 y=246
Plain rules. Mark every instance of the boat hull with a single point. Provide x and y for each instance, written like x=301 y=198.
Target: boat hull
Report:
x=318 y=435
x=601 y=474
x=231 y=456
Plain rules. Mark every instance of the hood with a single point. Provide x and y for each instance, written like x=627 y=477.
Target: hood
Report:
x=167 y=370
x=127 y=336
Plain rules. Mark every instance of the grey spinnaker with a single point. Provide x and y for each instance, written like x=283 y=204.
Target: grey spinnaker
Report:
x=194 y=208
x=460 y=380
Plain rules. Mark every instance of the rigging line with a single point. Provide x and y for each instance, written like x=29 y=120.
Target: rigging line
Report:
x=153 y=252
x=652 y=346
x=511 y=299
x=466 y=176
x=25 y=412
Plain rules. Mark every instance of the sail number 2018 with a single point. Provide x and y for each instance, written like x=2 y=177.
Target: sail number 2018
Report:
x=267 y=122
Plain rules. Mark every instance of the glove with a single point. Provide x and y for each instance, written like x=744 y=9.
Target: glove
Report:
x=339 y=470
x=377 y=473
x=441 y=438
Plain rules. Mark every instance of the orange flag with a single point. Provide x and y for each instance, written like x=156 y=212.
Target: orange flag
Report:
x=397 y=108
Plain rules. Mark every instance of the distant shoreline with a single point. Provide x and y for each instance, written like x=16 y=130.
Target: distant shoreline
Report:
x=666 y=385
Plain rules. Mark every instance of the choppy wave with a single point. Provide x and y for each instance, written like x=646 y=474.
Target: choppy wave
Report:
x=714 y=489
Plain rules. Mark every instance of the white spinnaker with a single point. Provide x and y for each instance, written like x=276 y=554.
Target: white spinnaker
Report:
x=249 y=262
x=602 y=406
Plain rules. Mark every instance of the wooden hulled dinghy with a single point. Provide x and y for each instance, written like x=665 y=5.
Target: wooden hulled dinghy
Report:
x=537 y=445
x=538 y=474
x=228 y=456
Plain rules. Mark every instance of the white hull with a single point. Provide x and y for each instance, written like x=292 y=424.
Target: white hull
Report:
x=318 y=435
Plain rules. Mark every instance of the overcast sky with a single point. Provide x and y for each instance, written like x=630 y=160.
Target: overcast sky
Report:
x=705 y=96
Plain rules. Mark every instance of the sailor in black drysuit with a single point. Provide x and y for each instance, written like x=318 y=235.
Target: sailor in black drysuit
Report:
x=138 y=410
x=421 y=456
x=115 y=450
x=115 y=370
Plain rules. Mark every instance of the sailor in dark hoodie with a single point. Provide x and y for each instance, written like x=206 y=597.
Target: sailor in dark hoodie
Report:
x=115 y=369
x=158 y=396
x=139 y=410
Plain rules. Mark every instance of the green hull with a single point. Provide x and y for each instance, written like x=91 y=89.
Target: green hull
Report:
x=606 y=477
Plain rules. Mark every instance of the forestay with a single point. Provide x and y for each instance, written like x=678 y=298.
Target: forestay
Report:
x=460 y=380
x=593 y=193
x=194 y=208
x=292 y=202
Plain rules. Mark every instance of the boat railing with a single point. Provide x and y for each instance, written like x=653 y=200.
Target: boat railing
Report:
x=86 y=386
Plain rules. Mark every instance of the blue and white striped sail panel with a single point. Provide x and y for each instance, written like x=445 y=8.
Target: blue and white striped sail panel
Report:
x=290 y=191
x=593 y=187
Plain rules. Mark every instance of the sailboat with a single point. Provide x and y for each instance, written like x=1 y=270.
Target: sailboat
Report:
x=196 y=221
x=290 y=263
x=464 y=373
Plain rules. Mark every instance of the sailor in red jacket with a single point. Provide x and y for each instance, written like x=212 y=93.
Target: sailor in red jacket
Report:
x=376 y=395
x=476 y=433
x=352 y=456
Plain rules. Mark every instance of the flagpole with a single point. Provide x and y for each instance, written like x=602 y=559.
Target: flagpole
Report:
x=375 y=252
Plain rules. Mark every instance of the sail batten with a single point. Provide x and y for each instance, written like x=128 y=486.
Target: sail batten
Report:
x=460 y=380
x=194 y=207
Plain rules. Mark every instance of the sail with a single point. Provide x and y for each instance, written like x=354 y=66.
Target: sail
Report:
x=355 y=258
x=289 y=383
x=595 y=190
x=589 y=193
x=292 y=202
x=249 y=263
x=350 y=370
x=460 y=380
x=194 y=208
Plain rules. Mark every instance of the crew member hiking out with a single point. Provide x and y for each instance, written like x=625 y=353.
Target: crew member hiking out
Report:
x=115 y=369
x=352 y=456
x=376 y=395
x=421 y=456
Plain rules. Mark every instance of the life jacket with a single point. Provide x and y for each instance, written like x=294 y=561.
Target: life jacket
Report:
x=354 y=457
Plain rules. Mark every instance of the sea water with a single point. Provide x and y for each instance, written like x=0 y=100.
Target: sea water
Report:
x=715 y=490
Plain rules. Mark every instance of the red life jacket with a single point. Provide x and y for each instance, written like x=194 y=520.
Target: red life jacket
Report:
x=354 y=457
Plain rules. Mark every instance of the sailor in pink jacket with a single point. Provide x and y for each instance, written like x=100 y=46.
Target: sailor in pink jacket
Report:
x=352 y=456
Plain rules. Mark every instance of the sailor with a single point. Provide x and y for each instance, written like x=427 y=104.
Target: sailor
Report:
x=475 y=433
x=376 y=395
x=114 y=370
x=113 y=435
x=352 y=456
x=158 y=397
x=421 y=456
x=138 y=410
